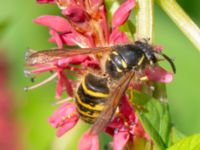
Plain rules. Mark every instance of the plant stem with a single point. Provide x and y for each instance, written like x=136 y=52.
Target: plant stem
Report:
x=144 y=23
x=144 y=30
x=144 y=20
x=182 y=20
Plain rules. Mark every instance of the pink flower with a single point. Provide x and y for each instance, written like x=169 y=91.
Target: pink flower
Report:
x=122 y=13
x=64 y=118
x=62 y=32
x=157 y=73
x=124 y=126
x=118 y=37
x=119 y=140
x=88 y=142
x=63 y=81
x=56 y=23
x=75 y=13
x=46 y=1
x=9 y=126
x=86 y=29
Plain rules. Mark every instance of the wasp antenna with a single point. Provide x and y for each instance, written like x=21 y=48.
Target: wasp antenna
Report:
x=159 y=57
x=170 y=60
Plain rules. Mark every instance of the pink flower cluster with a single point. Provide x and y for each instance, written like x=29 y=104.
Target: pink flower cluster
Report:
x=85 y=24
x=9 y=134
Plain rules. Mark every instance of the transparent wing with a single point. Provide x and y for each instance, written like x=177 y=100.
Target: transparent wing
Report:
x=111 y=105
x=46 y=56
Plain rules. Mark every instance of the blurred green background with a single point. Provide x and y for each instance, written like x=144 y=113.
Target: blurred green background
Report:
x=17 y=32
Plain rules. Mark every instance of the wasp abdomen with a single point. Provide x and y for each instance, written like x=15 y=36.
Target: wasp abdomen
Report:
x=91 y=97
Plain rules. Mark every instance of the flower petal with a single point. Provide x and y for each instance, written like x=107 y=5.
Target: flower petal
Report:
x=46 y=1
x=88 y=142
x=64 y=118
x=96 y=3
x=63 y=4
x=104 y=23
x=126 y=109
x=56 y=23
x=119 y=140
x=158 y=48
x=68 y=38
x=66 y=127
x=68 y=86
x=118 y=37
x=158 y=74
x=122 y=13
x=64 y=110
x=59 y=86
x=56 y=38
x=75 y=13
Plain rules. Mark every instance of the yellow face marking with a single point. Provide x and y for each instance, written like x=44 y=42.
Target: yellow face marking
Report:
x=98 y=107
x=118 y=70
x=124 y=65
x=94 y=115
x=92 y=93
x=115 y=53
x=144 y=78
x=141 y=60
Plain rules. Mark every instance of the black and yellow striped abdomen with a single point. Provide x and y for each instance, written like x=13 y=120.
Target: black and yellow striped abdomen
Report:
x=91 y=97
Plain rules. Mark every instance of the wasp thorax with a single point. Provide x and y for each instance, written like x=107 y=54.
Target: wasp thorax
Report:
x=124 y=58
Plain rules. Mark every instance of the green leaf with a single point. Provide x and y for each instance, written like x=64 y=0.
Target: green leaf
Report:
x=128 y=28
x=141 y=144
x=189 y=143
x=175 y=135
x=155 y=118
x=111 y=7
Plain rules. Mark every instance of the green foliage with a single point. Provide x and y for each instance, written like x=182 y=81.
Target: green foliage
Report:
x=141 y=144
x=188 y=143
x=154 y=117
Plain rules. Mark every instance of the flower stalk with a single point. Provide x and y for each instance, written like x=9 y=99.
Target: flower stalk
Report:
x=182 y=20
x=144 y=20
x=144 y=30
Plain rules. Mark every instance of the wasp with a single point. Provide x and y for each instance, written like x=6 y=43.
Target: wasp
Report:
x=98 y=95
